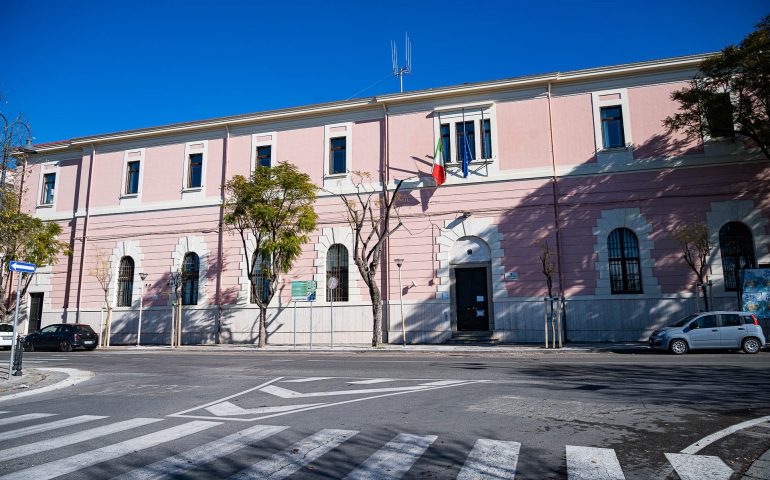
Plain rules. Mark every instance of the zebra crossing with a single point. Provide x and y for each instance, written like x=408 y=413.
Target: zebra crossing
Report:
x=488 y=459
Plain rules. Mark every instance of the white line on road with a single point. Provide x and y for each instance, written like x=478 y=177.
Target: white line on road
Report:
x=393 y=460
x=588 y=463
x=227 y=398
x=24 y=418
x=46 y=427
x=209 y=452
x=74 y=376
x=372 y=381
x=65 y=440
x=285 y=463
x=67 y=465
x=491 y=459
x=305 y=380
x=699 y=467
x=706 y=441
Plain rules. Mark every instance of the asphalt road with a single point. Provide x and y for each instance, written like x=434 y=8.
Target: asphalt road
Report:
x=390 y=415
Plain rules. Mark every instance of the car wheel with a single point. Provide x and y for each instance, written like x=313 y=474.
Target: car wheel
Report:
x=29 y=347
x=678 y=347
x=750 y=345
x=65 y=346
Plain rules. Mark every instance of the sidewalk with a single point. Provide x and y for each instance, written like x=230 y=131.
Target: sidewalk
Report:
x=760 y=469
x=625 y=347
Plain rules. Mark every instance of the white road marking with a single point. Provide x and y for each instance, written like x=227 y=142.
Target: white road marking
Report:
x=441 y=383
x=65 y=440
x=699 y=467
x=74 y=376
x=286 y=393
x=226 y=409
x=371 y=381
x=45 y=427
x=706 y=441
x=393 y=460
x=491 y=459
x=588 y=463
x=209 y=452
x=24 y=418
x=305 y=380
x=285 y=463
x=226 y=398
x=74 y=463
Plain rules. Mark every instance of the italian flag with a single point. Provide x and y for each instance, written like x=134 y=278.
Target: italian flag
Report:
x=439 y=173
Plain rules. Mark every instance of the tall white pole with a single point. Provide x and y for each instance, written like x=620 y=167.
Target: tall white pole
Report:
x=15 y=326
x=139 y=327
x=401 y=302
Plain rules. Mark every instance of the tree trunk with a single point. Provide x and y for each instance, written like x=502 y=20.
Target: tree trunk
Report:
x=262 y=327
x=107 y=326
x=374 y=294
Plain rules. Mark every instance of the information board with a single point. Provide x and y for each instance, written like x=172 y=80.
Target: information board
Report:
x=303 y=290
x=756 y=292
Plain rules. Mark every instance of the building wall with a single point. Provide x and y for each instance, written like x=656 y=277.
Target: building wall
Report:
x=507 y=203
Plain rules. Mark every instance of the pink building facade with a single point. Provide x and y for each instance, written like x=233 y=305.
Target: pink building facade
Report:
x=579 y=159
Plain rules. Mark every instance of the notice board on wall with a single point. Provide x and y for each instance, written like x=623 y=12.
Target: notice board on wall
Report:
x=755 y=297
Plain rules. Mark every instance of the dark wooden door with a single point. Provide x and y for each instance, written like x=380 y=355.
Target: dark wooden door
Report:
x=471 y=297
x=35 y=311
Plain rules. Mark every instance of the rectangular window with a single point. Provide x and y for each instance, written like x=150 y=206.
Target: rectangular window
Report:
x=612 y=127
x=132 y=177
x=445 y=143
x=338 y=163
x=49 y=187
x=466 y=140
x=264 y=156
x=486 y=138
x=719 y=116
x=195 y=170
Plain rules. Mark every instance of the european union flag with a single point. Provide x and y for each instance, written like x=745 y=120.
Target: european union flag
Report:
x=467 y=155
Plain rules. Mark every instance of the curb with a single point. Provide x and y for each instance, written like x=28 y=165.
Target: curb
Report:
x=760 y=469
x=74 y=376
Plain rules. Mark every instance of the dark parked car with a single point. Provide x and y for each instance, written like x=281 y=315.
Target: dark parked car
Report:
x=62 y=336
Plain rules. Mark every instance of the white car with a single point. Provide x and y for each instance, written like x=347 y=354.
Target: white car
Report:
x=6 y=334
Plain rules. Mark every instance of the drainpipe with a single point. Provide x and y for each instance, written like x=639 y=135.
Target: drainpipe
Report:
x=225 y=149
x=555 y=192
x=385 y=177
x=85 y=233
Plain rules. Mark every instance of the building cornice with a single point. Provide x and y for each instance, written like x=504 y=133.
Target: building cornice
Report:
x=675 y=63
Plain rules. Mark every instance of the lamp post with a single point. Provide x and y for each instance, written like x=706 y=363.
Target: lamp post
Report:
x=399 y=263
x=141 y=307
x=7 y=139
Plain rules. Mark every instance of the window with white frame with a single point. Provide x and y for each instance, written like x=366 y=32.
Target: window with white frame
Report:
x=465 y=133
x=132 y=172
x=48 y=191
x=612 y=125
x=719 y=115
x=195 y=165
x=263 y=150
x=337 y=160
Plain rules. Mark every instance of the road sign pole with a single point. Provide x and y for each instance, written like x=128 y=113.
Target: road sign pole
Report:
x=311 y=325
x=331 y=321
x=295 y=324
x=15 y=326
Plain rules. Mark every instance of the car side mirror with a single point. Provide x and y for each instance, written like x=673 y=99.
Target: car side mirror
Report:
x=694 y=326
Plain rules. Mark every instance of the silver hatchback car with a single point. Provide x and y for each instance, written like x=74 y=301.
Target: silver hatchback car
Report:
x=711 y=330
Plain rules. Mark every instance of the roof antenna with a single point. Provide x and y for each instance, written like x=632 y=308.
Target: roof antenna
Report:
x=406 y=69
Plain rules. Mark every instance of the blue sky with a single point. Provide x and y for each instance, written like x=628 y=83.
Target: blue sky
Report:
x=77 y=68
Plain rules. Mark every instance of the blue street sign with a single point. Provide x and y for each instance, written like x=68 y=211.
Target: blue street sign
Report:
x=14 y=266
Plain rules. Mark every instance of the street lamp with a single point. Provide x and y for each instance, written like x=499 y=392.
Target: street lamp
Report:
x=399 y=263
x=143 y=276
x=7 y=138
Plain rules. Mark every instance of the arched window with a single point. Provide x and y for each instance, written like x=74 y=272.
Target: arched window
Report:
x=337 y=266
x=125 y=281
x=258 y=270
x=737 y=247
x=190 y=272
x=623 y=253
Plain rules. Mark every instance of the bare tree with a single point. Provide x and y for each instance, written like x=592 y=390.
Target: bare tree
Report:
x=175 y=282
x=102 y=272
x=369 y=213
x=549 y=268
x=695 y=244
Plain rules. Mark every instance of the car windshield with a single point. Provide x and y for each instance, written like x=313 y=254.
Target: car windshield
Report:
x=83 y=329
x=4 y=327
x=683 y=322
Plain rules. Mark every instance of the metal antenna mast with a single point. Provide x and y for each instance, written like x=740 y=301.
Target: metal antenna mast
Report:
x=406 y=69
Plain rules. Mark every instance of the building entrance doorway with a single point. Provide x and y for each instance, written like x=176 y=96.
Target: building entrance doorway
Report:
x=472 y=301
x=35 y=312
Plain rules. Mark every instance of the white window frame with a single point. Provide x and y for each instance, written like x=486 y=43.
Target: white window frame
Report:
x=191 y=148
x=45 y=168
x=598 y=104
x=259 y=140
x=454 y=115
x=132 y=156
x=348 y=135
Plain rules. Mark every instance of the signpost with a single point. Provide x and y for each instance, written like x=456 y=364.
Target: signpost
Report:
x=303 y=291
x=333 y=283
x=20 y=268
